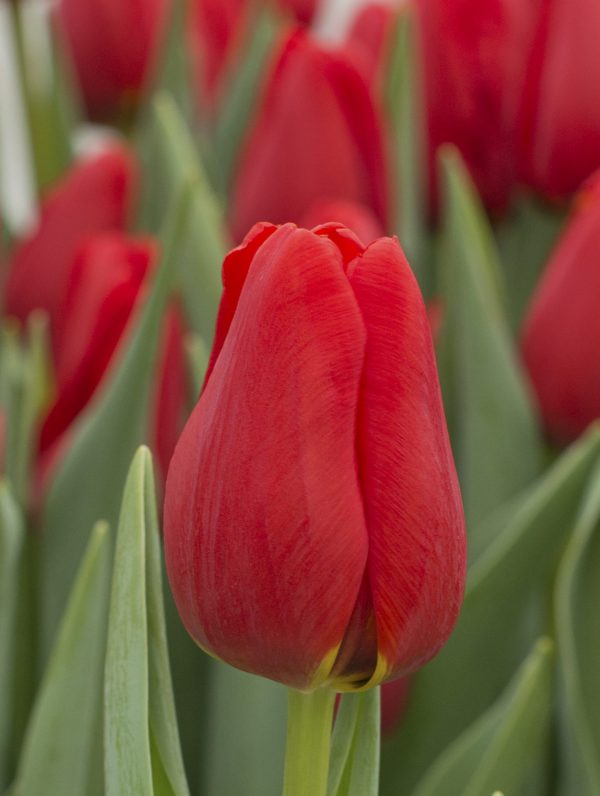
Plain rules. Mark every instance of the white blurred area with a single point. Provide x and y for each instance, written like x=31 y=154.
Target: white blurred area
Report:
x=17 y=194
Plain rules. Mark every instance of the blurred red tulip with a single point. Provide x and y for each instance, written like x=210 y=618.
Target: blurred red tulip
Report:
x=561 y=333
x=114 y=45
x=474 y=67
x=561 y=138
x=94 y=197
x=394 y=696
x=368 y=40
x=107 y=282
x=358 y=218
x=314 y=530
x=317 y=136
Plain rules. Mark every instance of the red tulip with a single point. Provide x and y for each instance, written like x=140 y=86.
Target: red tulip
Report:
x=562 y=112
x=474 y=63
x=317 y=136
x=107 y=282
x=394 y=696
x=561 y=334
x=94 y=197
x=114 y=45
x=314 y=530
x=369 y=39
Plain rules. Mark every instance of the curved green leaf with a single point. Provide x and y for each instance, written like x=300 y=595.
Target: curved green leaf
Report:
x=504 y=611
x=12 y=535
x=497 y=751
x=492 y=424
x=578 y=633
x=141 y=741
x=354 y=760
x=61 y=739
x=88 y=484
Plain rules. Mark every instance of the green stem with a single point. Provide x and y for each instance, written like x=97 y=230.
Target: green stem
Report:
x=308 y=741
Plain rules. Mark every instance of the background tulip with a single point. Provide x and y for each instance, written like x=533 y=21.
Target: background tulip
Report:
x=561 y=136
x=106 y=283
x=317 y=136
x=561 y=334
x=94 y=197
x=357 y=217
x=313 y=521
x=114 y=45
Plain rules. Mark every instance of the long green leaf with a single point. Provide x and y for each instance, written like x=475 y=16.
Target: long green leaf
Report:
x=504 y=611
x=406 y=118
x=578 y=633
x=11 y=546
x=168 y=150
x=61 y=739
x=142 y=753
x=354 y=762
x=89 y=480
x=493 y=427
x=497 y=751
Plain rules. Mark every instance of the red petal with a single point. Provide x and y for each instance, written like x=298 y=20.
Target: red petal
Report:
x=410 y=491
x=264 y=531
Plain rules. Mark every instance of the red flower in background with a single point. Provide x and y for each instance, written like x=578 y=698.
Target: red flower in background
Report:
x=114 y=45
x=94 y=197
x=358 y=218
x=313 y=522
x=474 y=68
x=561 y=333
x=317 y=136
x=561 y=137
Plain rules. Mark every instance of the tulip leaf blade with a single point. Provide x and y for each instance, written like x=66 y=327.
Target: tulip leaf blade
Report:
x=406 y=119
x=503 y=613
x=104 y=438
x=354 y=762
x=497 y=751
x=492 y=424
x=142 y=753
x=12 y=540
x=242 y=93
x=169 y=153
x=61 y=739
x=577 y=598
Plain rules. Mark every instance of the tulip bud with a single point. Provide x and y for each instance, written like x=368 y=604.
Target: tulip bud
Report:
x=314 y=530
x=114 y=45
x=317 y=137
x=106 y=284
x=561 y=124
x=561 y=332
x=94 y=197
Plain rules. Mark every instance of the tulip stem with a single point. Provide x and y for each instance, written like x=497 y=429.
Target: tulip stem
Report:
x=309 y=723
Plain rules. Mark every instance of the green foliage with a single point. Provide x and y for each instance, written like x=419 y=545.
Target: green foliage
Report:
x=354 y=763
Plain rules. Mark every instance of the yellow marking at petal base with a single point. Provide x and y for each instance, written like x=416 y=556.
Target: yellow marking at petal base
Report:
x=348 y=685
x=321 y=676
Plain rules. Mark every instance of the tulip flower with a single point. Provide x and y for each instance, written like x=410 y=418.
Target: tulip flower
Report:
x=358 y=218
x=314 y=530
x=106 y=284
x=561 y=137
x=114 y=46
x=394 y=696
x=94 y=197
x=474 y=55
x=317 y=136
x=369 y=38
x=561 y=332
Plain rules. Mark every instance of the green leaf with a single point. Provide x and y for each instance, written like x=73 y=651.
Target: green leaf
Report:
x=142 y=753
x=89 y=479
x=354 y=761
x=525 y=239
x=12 y=535
x=403 y=93
x=245 y=734
x=497 y=751
x=492 y=424
x=242 y=94
x=578 y=633
x=197 y=356
x=174 y=68
x=61 y=739
x=169 y=155
x=504 y=611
